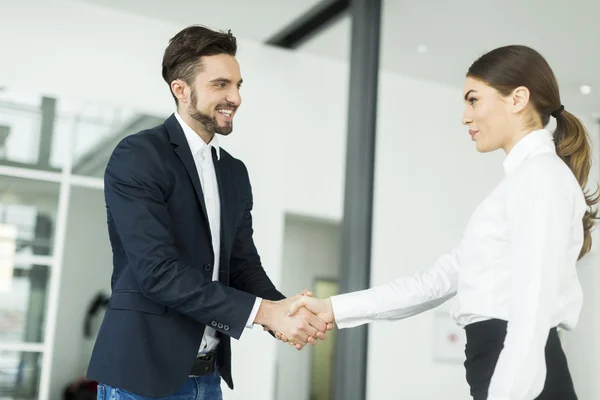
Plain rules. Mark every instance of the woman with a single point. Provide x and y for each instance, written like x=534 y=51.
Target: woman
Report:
x=514 y=271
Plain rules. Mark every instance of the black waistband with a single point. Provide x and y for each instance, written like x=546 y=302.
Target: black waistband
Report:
x=490 y=329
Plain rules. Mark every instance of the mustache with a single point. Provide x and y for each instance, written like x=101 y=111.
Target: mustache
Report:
x=227 y=106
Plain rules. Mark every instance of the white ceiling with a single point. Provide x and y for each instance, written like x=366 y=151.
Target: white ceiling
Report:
x=456 y=32
x=248 y=19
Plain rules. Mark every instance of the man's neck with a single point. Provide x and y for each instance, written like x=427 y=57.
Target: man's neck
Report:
x=197 y=127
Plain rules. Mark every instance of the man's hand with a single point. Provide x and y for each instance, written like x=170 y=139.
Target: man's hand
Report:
x=301 y=328
x=317 y=307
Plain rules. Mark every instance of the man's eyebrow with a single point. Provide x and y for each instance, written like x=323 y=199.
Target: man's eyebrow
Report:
x=225 y=80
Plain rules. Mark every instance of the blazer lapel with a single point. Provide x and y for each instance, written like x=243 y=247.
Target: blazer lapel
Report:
x=184 y=153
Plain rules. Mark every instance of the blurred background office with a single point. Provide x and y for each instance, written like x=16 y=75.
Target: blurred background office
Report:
x=344 y=113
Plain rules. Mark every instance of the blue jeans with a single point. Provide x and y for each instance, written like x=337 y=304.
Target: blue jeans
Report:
x=206 y=387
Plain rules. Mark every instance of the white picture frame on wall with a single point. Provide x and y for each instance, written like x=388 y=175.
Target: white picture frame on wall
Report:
x=449 y=339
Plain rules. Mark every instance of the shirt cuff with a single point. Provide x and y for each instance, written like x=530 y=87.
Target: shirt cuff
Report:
x=351 y=309
x=252 y=317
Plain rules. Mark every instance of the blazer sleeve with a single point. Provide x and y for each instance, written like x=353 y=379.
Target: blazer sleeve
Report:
x=247 y=272
x=135 y=196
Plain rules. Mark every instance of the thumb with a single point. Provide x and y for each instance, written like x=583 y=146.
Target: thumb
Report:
x=296 y=305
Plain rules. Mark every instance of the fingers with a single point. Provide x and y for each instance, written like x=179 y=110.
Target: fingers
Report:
x=307 y=323
x=316 y=322
x=307 y=319
x=305 y=329
x=298 y=331
x=317 y=326
x=310 y=339
x=296 y=305
x=298 y=346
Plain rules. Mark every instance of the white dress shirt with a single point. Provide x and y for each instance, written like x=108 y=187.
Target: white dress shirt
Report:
x=516 y=262
x=202 y=155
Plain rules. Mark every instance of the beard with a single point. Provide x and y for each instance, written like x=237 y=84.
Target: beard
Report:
x=209 y=123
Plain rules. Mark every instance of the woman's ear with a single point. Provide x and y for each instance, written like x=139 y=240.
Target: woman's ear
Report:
x=519 y=99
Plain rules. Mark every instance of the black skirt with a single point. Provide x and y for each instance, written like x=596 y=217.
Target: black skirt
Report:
x=485 y=340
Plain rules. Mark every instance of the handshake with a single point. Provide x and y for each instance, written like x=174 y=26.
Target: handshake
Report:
x=298 y=320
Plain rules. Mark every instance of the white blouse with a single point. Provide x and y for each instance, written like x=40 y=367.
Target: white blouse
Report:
x=515 y=262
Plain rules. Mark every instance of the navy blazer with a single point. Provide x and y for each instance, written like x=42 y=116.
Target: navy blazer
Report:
x=163 y=295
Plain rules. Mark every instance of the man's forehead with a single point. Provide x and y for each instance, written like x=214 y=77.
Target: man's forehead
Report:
x=220 y=64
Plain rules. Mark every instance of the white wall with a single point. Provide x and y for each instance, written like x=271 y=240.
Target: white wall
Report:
x=291 y=134
x=310 y=251
x=581 y=345
x=87 y=265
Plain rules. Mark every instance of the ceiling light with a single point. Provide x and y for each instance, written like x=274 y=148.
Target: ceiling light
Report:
x=585 y=89
x=422 y=49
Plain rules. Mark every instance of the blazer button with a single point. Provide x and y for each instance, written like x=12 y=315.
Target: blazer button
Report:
x=214 y=323
x=208 y=267
x=226 y=327
x=220 y=326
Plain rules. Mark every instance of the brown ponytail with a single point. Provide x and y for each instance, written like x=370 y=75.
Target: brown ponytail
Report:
x=509 y=67
x=573 y=147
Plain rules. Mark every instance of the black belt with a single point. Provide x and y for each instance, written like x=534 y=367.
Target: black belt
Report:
x=204 y=364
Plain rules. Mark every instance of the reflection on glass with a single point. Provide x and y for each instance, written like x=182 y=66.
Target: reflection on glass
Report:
x=28 y=130
x=35 y=131
x=97 y=130
x=19 y=375
x=92 y=125
x=30 y=206
x=23 y=305
x=96 y=138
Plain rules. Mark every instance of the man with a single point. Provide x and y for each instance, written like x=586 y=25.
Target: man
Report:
x=187 y=276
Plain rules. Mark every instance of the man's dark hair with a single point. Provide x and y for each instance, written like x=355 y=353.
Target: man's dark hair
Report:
x=182 y=57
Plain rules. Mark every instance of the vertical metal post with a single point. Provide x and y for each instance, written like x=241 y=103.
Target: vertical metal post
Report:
x=46 y=132
x=351 y=351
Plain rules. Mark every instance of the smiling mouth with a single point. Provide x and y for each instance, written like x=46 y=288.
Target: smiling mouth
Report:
x=228 y=112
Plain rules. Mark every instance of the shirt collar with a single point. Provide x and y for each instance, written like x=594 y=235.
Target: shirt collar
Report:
x=535 y=142
x=194 y=141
